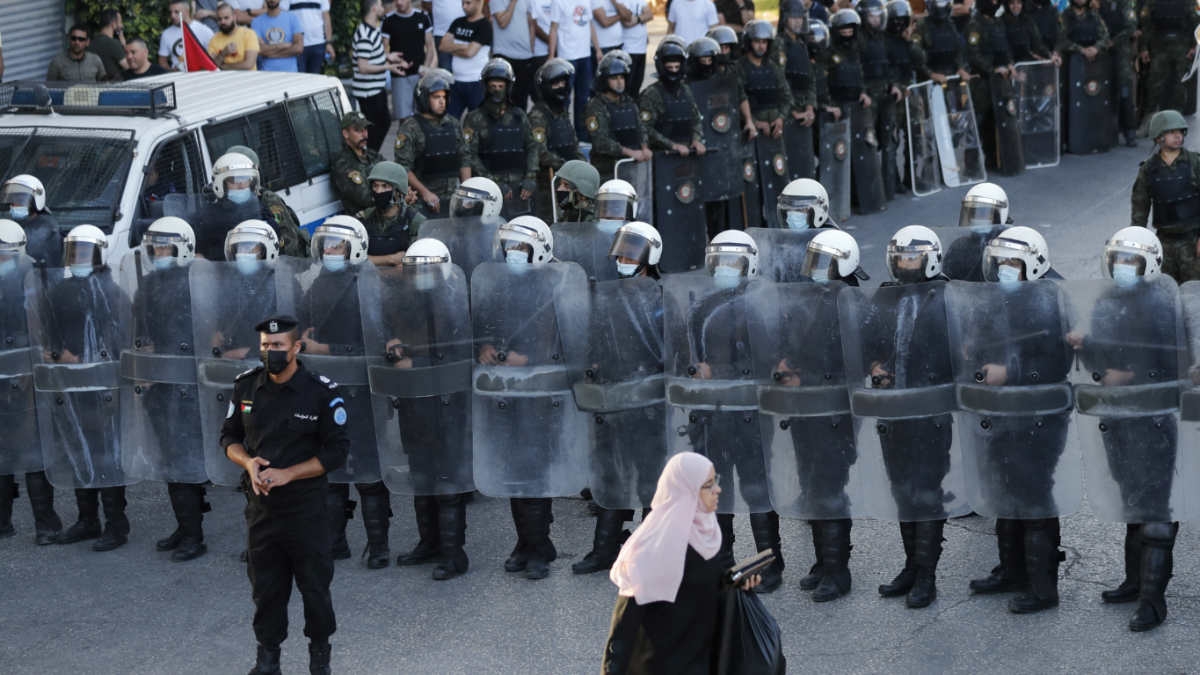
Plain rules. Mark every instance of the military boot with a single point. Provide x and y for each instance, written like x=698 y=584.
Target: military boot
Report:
x=427 y=529
x=1009 y=575
x=88 y=525
x=835 y=557
x=1042 y=557
x=267 y=662
x=904 y=580
x=1158 y=544
x=1127 y=591
x=116 y=524
x=41 y=497
x=538 y=517
x=452 y=536
x=927 y=550
x=809 y=581
x=190 y=506
x=376 y=513
x=339 y=509
x=519 y=558
x=765 y=527
x=318 y=656
x=8 y=494
x=606 y=542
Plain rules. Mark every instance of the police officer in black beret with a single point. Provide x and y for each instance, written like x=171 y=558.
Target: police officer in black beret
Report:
x=286 y=427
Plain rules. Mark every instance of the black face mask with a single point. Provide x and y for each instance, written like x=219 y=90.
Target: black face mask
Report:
x=497 y=97
x=383 y=200
x=276 y=360
x=566 y=199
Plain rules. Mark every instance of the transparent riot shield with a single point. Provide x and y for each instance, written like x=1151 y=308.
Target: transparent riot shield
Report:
x=328 y=307
x=210 y=219
x=587 y=244
x=835 y=164
x=622 y=391
x=924 y=169
x=469 y=239
x=1129 y=343
x=227 y=303
x=1038 y=107
x=641 y=176
x=678 y=212
x=1188 y=463
x=902 y=394
x=529 y=323
x=1091 y=117
x=771 y=157
x=1010 y=159
x=960 y=153
x=21 y=446
x=1011 y=363
x=865 y=169
x=79 y=326
x=417 y=334
x=712 y=387
x=720 y=173
x=801 y=153
x=808 y=435
x=160 y=407
x=781 y=252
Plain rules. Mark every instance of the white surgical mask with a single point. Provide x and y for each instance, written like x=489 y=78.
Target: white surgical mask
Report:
x=164 y=262
x=1125 y=274
x=240 y=195
x=8 y=266
x=516 y=257
x=821 y=276
x=797 y=220
x=626 y=269
x=425 y=281
x=81 y=270
x=18 y=212
x=726 y=276
x=247 y=263
x=1008 y=275
x=334 y=262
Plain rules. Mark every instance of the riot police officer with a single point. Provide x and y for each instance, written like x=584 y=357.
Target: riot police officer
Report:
x=803 y=205
x=22 y=448
x=500 y=142
x=293 y=240
x=939 y=39
x=985 y=210
x=1168 y=47
x=668 y=109
x=286 y=438
x=84 y=324
x=24 y=198
x=235 y=188
x=1046 y=15
x=1085 y=36
x=430 y=144
x=1025 y=39
x=391 y=223
x=906 y=60
x=616 y=203
x=1169 y=181
x=881 y=86
x=798 y=67
x=550 y=119
x=1120 y=19
x=766 y=85
x=612 y=118
x=352 y=164
x=848 y=96
x=576 y=187
x=989 y=57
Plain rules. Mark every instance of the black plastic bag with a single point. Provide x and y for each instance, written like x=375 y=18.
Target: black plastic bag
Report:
x=751 y=643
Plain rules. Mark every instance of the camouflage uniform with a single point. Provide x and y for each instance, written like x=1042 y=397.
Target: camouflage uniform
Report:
x=606 y=149
x=1024 y=38
x=804 y=92
x=583 y=211
x=349 y=173
x=1046 y=18
x=410 y=152
x=750 y=74
x=1177 y=233
x=943 y=48
x=1167 y=27
x=544 y=120
x=386 y=236
x=478 y=128
x=1120 y=19
x=293 y=239
x=987 y=49
x=664 y=133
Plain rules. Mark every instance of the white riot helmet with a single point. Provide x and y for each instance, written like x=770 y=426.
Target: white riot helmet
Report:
x=914 y=254
x=732 y=249
x=528 y=234
x=83 y=248
x=339 y=232
x=832 y=255
x=985 y=205
x=426 y=251
x=1022 y=244
x=252 y=237
x=476 y=196
x=22 y=192
x=636 y=241
x=616 y=200
x=1136 y=246
x=12 y=237
x=168 y=242
x=803 y=204
x=236 y=166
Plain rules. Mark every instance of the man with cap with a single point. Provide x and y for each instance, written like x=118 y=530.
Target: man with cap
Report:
x=576 y=186
x=353 y=164
x=286 y=426
x=1170 y=182
x=391 y=223
x=293 y=239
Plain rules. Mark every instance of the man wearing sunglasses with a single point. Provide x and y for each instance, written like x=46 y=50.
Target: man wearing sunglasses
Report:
x=76 y=64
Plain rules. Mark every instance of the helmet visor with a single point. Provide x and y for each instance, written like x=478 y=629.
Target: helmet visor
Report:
x=726 y=259
x=908 y=263
x=614 y=207
x=631 y=245
x=1122 y=257
x=331 y=243
x=798 y=212
x=233 y=248
x=1000 y=252
x=468 y=202
x=16 y=195
x=162 y=245
x=80 y=253
x=821 y=262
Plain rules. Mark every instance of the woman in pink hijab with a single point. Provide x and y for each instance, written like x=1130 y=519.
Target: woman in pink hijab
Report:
x=670 y=578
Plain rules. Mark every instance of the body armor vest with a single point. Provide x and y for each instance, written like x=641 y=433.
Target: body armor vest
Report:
x=442 y=157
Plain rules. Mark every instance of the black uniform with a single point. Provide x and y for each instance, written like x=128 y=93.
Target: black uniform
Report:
x=964 y=257
x=45 y=239
x=1024 y=38
x=216 y=219
x=288 y=424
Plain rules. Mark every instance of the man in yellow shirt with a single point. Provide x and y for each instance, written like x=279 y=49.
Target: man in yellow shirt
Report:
x=233 y=47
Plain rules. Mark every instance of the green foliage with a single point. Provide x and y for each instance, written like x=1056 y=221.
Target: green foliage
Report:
x=143 y=19
x=344 y=15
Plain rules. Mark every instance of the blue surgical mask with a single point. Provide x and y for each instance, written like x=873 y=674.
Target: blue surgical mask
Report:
x=516 y=258
x=239 y=196
x=164 y=262
x=18 y=212
x=626 y=269
x=726 y=277
x=797 y=220
x=334 y=262
x=1008 y=276
x=425 y=281
x=8 y=266
x=247 y=263
x=608 y=225
x=821 y=276
x=81 y=270
x=1125 y=274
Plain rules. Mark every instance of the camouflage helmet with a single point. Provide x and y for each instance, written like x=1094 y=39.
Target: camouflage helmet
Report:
x=391 y=173
x=582 y=175
x=1166 y=120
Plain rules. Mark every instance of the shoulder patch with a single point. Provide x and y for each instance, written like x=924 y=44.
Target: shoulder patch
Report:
x=539 y=134
x=468 y=133
x=401 y=139
x=355 y=177
x=277 y=211
x=339 y=416
x=592 y=123
x=973 y=38
x=836 y=58
x=645 y=115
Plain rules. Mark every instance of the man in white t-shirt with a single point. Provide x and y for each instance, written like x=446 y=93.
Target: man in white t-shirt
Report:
x=635 y=14
x=317 y=27
x=691 y=19
x=444 y=12
x=541 y=12
x=573 y=37
x=608 y=25
x=170 y=45
x=512 y=40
